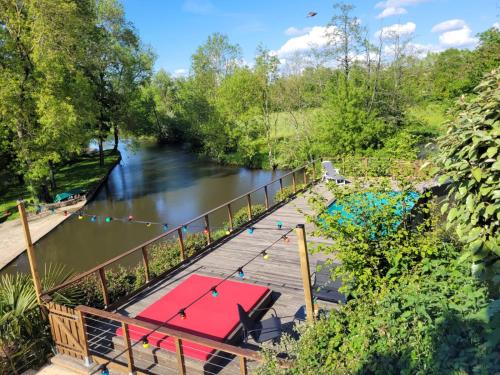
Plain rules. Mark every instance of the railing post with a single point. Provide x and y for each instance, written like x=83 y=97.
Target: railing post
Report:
x=145 y=262
x=266 y=197
x=243 y=365
x=207 y=230
x=281 y=184
x=306 y=273
x=305 y=176
x=104 y=287
x=180 y=356
x=249 y=207
x=130 y=355
x=230 y=216
x=83 y=334
x=181 y=245
x=366 y=168
x=294 y=182
x=343 y=166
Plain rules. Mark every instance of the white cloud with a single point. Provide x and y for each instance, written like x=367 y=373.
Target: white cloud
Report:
x=317 y=37
x=458 y=38
x=391 y=11
x=496 y=25
x=180 y=73
x=293 y=31
x=448 y=25
x=400 y=29
x=398 y=3
x=198 y=6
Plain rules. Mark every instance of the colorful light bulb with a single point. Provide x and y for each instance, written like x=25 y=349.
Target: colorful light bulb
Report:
x=165 y=226
x=80 y=216
x=184 y=228
x=215 y=293
x=279 y=224
x=286 y=239
x=250 y=230
x=148 y=224
x=182 y=314
x=130 y=218
x=93 y=219
x=241 y=274
x=145 y=343
x=205 y=231
x=228 y=232
x=108 y=219
x=65 y=213
x=265 y=255
x=104 y=370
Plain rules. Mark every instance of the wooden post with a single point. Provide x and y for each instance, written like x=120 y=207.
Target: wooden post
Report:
x=343 y=166
x=207 y=230
x=31 y=252
x=366 y=168
x=281 y=184
x=266 y=197
x=87 y=359
x=230 y=216
x=130 y=355
x=180 y=356
x=145 y=262
x=294 y=183
x=249 y=207
x=243 y=365
x=104 y=287
x=181 y=244
x=305 y=176
x=306 y=274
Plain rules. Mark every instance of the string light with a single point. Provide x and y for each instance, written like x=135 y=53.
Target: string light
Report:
x=182 y=314
x=205 y=231
x=214 y=291
x=145 y=343
x=250 y=230
x=241 y=274
x=108 y=219
x=279 y=224
x=148 y=224
x=130 y=218
x=80 y=216
x=93 y=219
x=184 y=228
x=104 y=370
x=65 y=213
x=165 y=226
x=265 y=255
x=228 y=232
x=286 y=239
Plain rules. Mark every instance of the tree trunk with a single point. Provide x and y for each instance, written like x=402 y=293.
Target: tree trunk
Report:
x=53 y=185
x=101 y=152
x=20 y=179
x=44 y=194
x=115 y=133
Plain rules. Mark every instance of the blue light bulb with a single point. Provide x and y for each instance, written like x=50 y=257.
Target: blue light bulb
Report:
x=241 y=274
x=279 y=224
x=250 y=230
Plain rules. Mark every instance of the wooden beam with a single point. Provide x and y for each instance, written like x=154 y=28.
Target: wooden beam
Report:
x=207 y=230
x=230 y=216
x=83 y=335
x=104 y=286
x=249 y=207
x=145 y=262
x=304 y=269
x=31 y=252
x=181 y=245
x=281 y=184
x=294 y=183
x=243 y=365
x=179 y=353
x=266 y=197
x=305 y=177
x=130 y=355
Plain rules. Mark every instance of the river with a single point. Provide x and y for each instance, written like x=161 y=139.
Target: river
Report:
x=154 y=183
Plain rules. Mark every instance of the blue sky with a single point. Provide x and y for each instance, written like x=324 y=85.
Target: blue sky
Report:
x=175 y=28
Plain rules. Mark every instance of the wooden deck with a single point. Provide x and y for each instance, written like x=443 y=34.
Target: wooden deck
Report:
x=280 y=273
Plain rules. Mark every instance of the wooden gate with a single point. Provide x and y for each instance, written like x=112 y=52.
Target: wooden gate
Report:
x=67 y=330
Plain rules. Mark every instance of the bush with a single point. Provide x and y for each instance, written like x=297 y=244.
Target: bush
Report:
x=431 y=322
x=241 y=216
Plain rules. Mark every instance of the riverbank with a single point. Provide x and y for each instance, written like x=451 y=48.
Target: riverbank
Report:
x=77 y=175
x=81 y=173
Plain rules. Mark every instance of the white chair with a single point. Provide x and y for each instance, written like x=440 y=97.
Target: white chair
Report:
x=332 y=173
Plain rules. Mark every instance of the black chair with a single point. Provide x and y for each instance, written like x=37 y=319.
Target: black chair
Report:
x=261 y=331
x=324 y=288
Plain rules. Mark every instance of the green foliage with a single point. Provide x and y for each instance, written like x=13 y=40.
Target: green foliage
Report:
x=241 y=216
x=469 y=158
x=430 y=322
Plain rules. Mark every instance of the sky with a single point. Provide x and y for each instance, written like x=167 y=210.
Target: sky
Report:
x=175 y=28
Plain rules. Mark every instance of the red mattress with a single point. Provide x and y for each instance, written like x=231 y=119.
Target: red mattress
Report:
x=212 y=317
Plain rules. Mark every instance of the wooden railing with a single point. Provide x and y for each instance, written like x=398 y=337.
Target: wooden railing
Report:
x=180 y=338
x=270 y=195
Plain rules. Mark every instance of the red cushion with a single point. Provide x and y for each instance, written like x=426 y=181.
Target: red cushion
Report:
x=212 y=317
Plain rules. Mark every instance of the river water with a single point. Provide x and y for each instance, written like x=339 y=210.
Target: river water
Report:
x=154 y=183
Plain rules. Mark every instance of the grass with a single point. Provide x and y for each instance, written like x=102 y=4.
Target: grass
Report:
x=83 y=172
x=431 y=114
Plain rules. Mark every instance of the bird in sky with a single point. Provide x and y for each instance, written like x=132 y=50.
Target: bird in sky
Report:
x=311 y=14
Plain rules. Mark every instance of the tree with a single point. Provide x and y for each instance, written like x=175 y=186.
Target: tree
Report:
x=469 y=159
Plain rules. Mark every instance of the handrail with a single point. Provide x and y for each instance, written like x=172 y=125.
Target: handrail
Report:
x=164 y=234
x=231 y=349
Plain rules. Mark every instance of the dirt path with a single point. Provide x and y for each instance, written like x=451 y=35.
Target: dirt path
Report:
x=12 y=242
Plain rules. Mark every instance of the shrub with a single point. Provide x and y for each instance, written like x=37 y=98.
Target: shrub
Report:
x=241 y=216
